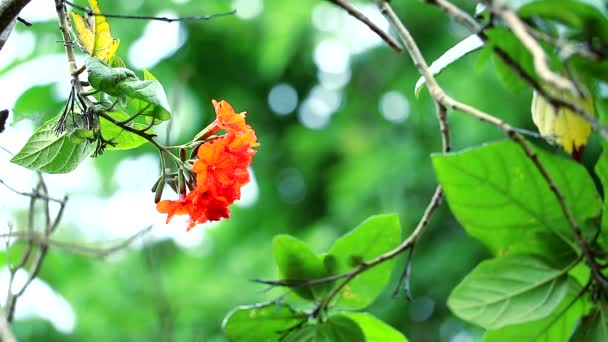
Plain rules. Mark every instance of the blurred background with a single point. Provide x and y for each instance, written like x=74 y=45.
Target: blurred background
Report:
x=342 y=138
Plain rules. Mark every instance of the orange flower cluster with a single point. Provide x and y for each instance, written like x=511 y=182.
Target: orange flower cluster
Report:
x=221 y=170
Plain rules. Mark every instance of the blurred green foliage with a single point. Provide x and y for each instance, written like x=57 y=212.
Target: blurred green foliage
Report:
x=360 y=164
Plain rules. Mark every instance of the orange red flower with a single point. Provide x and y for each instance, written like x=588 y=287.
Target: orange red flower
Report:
x=221 y=170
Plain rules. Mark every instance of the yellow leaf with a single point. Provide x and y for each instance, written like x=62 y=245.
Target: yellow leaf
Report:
x=94 y=35
x=564 y=127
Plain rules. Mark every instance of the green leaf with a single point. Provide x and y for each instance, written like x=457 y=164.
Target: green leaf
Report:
x=147 y=96
x=266 y=323
x=505 y=40
x=47 y=152
x=296 y=261
x=576 y=14
x=593 y=327
x=372 y=238
x=374 y=329
x=499 y=196
x=558 y=326
x=336 y=328
x=601 y=170
x=509 y=290
x=122 y=139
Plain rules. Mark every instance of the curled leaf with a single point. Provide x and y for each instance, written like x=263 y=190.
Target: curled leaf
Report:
x=94 y=34
x=563 y=126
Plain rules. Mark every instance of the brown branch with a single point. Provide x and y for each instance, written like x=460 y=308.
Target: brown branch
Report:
x=9 y=11
x=6 y=335
x=362 y=18
x=538 y=54
x=441 y=97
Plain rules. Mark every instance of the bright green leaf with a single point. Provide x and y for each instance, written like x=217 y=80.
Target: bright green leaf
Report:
x=296 y=261
x=336 y=328
x=48 y=152
x=558 y=326
x=601 y=170
x=372 y=238
x=593 y=327
x=261 y=324
x=374 y=329
x=509 y=290
x=499 y=196
x=122 y=139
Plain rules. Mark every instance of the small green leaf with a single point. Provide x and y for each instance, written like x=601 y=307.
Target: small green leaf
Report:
x=593 y=327
x=499 y=196
x=122 y=139
x=509 y=290
x=47 y=152
x=296 y=261
x=336 y=328
x=374 y=329
x=558 y=326
x=147 y=97
x=268 y=323
x=372 y=238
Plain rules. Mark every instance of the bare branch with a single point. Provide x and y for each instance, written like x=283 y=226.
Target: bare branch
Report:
x=6 y=335
x=9 y=11
x=538 y=54
x=362 y=18
x=89 y=12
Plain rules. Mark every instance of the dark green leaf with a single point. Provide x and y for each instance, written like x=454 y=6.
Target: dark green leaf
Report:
x=296 y=261
x=558 y=326
x=374 y=329
x=122 y=139
x=509 y=290
x=499 y=196
x=501 y=38
x=266 y=323
x=47 y=152
x=593 y=327
x=336 y=328
x=601 y=170
x=375 y=236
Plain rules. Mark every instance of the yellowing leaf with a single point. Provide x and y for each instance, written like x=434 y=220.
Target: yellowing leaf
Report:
x=564 y=127
x=94 y=35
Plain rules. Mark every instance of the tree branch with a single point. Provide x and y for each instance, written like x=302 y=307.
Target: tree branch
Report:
x=9 y=11
x=350 y=9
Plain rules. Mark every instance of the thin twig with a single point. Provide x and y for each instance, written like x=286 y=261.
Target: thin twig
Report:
x=355 y=13
x=538 y=54
x=89 y=12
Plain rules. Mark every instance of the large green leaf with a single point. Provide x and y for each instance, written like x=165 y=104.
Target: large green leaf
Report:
x=122 y=139
x=375 y=236
x=48 y=152
x=336 y=328
x=558 y=326
x=499 y=196
x=296 y=261
x=267 y=323
x=593 y=327
x=509 y=290
x=148 y=95
x=374 y=329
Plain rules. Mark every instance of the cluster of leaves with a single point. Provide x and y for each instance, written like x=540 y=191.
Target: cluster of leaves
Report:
x=299 y=315
x=540 y=283
x=117 y=113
